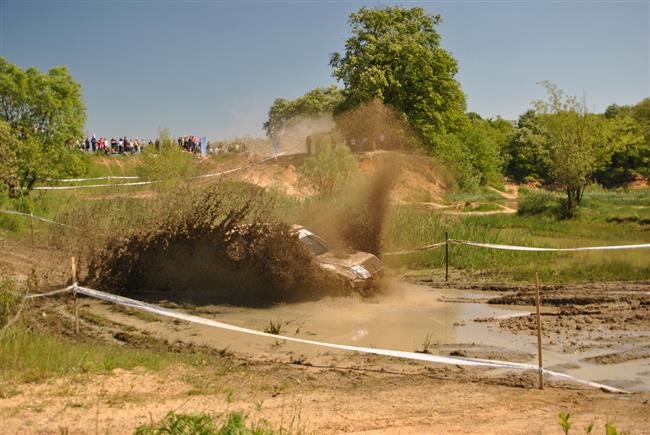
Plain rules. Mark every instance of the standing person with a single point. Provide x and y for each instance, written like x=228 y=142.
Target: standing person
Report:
x=93 y=143
x=87 y=144
x=113 y=145
x=120 y=146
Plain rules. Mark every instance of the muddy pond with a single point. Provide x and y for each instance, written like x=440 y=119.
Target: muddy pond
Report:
x=406 y=316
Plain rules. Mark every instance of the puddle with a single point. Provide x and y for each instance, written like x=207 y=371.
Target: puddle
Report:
x=402 y=318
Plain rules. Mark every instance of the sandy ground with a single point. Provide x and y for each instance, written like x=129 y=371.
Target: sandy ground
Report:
x=350 y=394
x=336 y=392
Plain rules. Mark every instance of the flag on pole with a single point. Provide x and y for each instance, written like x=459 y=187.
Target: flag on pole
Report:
x=204 y=146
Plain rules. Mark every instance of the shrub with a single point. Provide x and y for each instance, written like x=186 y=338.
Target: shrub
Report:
x=8 y=301
x=536 y=202
x=328 y=169
x=180 y=424
x=169 y=162
x=234 y=423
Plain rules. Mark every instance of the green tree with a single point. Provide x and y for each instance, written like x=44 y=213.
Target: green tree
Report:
x=394 y=55
x=40 y=114
x=328 y=170
x=527 y=151
x=578 y=143
x=475 y=151
x=630 y=152
x=320 y=101
x=48 y=106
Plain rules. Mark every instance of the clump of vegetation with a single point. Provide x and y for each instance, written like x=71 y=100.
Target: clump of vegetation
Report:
x=167 y=163
x=273 y=328
x=536 y=202
x=9 y=300
x=29 y=356
x=234 y=423
x=329 y=169
x=565 y=423
x=427 y=344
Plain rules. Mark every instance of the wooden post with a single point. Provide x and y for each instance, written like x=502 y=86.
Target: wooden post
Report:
x=446 y=257
x=539 y=334
x=31 y=227
x=73 y=263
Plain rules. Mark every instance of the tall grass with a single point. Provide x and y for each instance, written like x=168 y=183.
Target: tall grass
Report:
x=409 y=227
x=32 y=356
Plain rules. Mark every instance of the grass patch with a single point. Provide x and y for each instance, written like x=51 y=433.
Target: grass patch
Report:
x=273 y=328
x=409 y=227
x=233 y=423
x=33 y=356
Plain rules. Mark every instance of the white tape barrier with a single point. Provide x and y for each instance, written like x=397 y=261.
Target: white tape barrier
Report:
x=52 y=293
x=17 y=213
x=385 y=352
x=144 y=183
x=91 y=186
x=108 y=177
x=230 y=171
x=412 y=251
x=529 y=248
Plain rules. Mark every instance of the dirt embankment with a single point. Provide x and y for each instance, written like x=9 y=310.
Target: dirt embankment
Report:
x=419 y=178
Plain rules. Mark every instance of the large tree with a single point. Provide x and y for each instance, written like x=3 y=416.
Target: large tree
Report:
x=528 y=157
x=578 y=142
x=40 y=113
x=315 y=103
x=394 y=55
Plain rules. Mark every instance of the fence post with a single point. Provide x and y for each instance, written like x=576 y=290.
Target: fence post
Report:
x=31 y=227
x=539 y=334
x=73 y=263
x=446 y=257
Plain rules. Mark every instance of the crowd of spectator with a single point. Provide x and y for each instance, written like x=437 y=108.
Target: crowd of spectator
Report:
x=125 y=145
x=120 y=145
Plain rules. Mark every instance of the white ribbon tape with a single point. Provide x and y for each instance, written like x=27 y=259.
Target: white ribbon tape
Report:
x=17 y=213
x=87 y=186
x=385 y=352
x=141 y=183
x=52 y=293
x=108 y=177
x=528 y=248
x=412 y=251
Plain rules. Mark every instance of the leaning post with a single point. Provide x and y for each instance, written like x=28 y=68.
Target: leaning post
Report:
x=446 y=257
x=73 y=263
x=539 y=334
x=31 y=227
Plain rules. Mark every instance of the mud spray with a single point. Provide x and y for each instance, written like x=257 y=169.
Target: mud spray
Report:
x=210 y=244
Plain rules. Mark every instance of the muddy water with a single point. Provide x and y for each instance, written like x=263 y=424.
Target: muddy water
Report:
x=401 y=318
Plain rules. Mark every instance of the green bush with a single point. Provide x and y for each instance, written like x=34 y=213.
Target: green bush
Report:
x=328 y=169
x=9 y=301
x=169 y=162
x=536 y=202
x=234 y=423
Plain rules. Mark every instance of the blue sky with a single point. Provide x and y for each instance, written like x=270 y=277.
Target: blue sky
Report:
x=213 y=68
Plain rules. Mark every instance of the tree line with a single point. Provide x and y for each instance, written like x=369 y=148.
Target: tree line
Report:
x=394 y=57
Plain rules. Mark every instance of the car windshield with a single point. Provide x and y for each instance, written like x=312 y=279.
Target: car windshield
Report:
x=316 y=246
